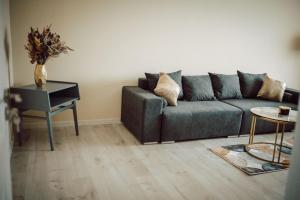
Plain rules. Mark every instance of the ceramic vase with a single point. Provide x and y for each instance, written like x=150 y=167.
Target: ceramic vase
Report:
x=40 y=75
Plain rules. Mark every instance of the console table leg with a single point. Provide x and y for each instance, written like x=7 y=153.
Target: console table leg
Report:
x=50 y=130
x=75 y=118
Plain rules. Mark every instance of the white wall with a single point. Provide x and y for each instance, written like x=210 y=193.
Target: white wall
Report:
x=115 y=42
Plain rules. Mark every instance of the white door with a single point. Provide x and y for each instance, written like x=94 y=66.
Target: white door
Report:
x=5 y=174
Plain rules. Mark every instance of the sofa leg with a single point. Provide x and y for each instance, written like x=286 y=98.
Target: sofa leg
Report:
x=237 y=136
x=233 y=136
x=149 y=143
x=244 y=135
x=168 y=142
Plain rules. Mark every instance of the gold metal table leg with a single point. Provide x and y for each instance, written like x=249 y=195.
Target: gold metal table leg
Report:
x=251 y=130
x=281 y=140
x=250 y=134
x=275 y=143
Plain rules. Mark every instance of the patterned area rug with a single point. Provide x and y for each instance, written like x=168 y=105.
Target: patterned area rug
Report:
x=238 y=157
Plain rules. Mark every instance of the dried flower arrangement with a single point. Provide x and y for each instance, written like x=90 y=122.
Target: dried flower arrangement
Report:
x=44 y=45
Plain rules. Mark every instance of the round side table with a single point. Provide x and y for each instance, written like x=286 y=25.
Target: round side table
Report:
x=270 y=114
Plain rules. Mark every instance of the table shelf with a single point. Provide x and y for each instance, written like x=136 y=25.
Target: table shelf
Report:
x=56 y=102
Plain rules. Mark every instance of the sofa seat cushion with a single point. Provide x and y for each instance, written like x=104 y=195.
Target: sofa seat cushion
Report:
x=200 y=119
x=262 y=126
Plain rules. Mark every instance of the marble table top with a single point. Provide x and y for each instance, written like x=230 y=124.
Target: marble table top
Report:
x=273 y=114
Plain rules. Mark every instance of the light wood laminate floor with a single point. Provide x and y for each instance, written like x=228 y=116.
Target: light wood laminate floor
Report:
x=106 y=162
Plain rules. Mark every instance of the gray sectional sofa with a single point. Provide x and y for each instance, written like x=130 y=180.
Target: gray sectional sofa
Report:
x=151 y=120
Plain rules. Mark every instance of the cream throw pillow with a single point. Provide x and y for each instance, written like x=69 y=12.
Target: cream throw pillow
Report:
x=167 y=88
x=272 y=89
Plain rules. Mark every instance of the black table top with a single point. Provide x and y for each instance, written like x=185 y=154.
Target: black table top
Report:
x=51 y=86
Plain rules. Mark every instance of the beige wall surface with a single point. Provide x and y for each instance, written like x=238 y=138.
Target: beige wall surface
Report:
x=115 y=42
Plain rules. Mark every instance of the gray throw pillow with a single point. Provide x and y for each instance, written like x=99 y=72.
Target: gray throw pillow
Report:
x=197 y=88
x=153 y=79
x=226 y=86
x=251 y=83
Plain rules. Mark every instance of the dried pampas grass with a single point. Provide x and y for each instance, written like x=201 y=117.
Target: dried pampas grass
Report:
x=44 y=45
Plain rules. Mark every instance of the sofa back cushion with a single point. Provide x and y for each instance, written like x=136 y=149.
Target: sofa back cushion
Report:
x=197 y=88
x=250 y=83
x=226 y=86
x=143 y=83
x=153 y=79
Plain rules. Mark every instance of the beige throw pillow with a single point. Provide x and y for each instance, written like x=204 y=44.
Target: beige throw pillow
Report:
x=272 y=89
x=167 y=88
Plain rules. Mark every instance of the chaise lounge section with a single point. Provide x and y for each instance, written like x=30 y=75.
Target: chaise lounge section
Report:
x=261 y=125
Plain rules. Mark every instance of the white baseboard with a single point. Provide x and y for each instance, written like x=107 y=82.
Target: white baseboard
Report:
x=43 y=124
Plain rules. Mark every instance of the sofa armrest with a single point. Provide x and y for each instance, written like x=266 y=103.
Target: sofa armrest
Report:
x=141 y=113
x=291 y=95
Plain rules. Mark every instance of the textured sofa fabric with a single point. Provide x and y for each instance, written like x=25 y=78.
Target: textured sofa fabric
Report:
x=197 y=88
x=226 y=86
x=250 y=83
x=141 y=113
x=201 y=119
x=143 y=83
x=262 y=126
x=291 y=95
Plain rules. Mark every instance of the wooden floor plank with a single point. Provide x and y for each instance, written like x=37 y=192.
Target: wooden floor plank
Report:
x=107 y=162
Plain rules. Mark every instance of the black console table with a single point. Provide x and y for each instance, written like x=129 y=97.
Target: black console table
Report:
x=54 y=98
